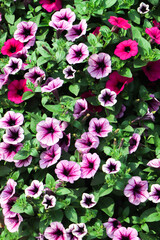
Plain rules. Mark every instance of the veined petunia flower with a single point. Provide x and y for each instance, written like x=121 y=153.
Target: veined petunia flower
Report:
x=35 y=189
x=111 y=226
x=35 y=75
x=49 y=131
x=16 y=90
x=52 y=84
x=11 y=46
x=64 y=142
x=6 y=206
x=77 y=53
x=126 y=49
x=8 y=151
x=23 y=163
x=3 y=79
x=8 y=191
x=126 y=233
x=68 y=171
x=51 y=5
x=23 y=56
x=89 y=165
x=86 y=142
x=111 y=166
x=107 y=97
x=63 y=19
x=136 y=190
x=69 y=72
x=79 y=230
x=50 y=156
x=143 y=8
x=99 y=65
x=30 y=43
x=56 y=231
x=99 y=127
x=134 y=142
x=25 y=31
x=151 y=70
x=154 y=195
x=119 y=22
x=49 y=201
x=69 y=232
x=154 y=33
x=77 y=31
x=87 y=201
x=13 y=222
x=14 y=66
x=14 y=135
x=11 y=119
x=80 y=108
x=155 y=163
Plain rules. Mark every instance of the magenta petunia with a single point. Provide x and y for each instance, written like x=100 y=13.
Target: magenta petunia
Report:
x=79 y=230
x=8 y=191
x=107 y=98
x=35 y=75
x=96 y=31
x=126 y=49
x=89 y=165
x=68 y=171
x=6 y=206
x=80 y=108
x=154 y=33
x=25 y=31
x=14 y=135
x=154 y=195
x=35 y=189
x=77 y=31
x=11 y=119
x=151 y=70
x=111 y=166
x=99 y=127
x=99 y=65
x=23 y=163
x=143 y=8
x=111 y=226
x=119 y=22
x=16 y=90
x=56 y=231
x=86 y=142
x=63 y=19
x=136 y=190
x=69 y=72
x=134 y=142
x=51 y=85
x=77 y=53
x=50 y=156
x=14 y=66
x=8 y=151
x=155 y=163
x=49 y=131
x=87 y=201
x=49 y=201
x=126 y=233
x=50 y=5
x=11 y=46
x=13 y=222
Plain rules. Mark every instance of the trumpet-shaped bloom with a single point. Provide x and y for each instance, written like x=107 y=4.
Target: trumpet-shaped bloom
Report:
x=126 y=233
x=134 y=142
x=111 y=226
x=80 y=108
x=155 y=163
x=99 y=127
x=56 y=231
x=126 y=49
x=143 y=8
x=119 y=22
x=151 y=70
x=11 y=119
x=35 y=75
x=49 y=201
x=14 y=135
x=68 y=171
x=154 y=195
x=52 y=84
x=87 y=201
x=8 y=151
x=89 y=165
x=154 y=33
x=64 y=142
x=136 y=190
x=50 y=5
x=77 y=53
x=153 y=104
x=24 y=162
x=35 y=189
x=13 y=222
x=69 y=232
x=69 y=72
x=107 y=97
x=14 y=65
x=79 y=230
x=77 y=31
x=112 y=166
x=6 y=206
x=25 y=31
x=11 y=46
x=8 y=192
x=86 y=142
x=99 y=65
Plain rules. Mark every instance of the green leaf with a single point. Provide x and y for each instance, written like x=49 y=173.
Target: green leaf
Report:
x=71 y=214
x=21 y=154
x=142 y=108
x=29 y=209
x=4 y=171
x=54 y=108
x=27 y=95
x=126 y=72
x=144 y=46
x=104 y=190
x=75 y=88
x=107 y=206
x=9 y=18
x=62 y=191
x=138 y=63
x=135 y=33
x=134 y=16
x=150 y=215
x=50 y=181
x=154 y=2
x=92 y=39
x=109 y=3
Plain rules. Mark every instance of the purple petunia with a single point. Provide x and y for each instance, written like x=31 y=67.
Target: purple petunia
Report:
x=6 y=206
x=49 y=201
x=111 y=226
x=99 y=127
x=155 y=163
x=136 y=190
x=153 y=104
x=35 y=75
x=87 y=201
x=11 y=119
x=14 y=135
x=24 y=162
x=13 y=222
x=56 y=231
x=8 y=151
x=143 y=8
x=112 y=166
x=64 y=142
x=25 y=31
x=86 y=142
x=89 y=165
x=79 y=230
x=77 y=53
x=51 y=85
x=8 y=191
x=69 y=72
x=80 y=108
x=69 y=232
x=134 y=142
x=14 y=65
x=154 y=195
x=35 y=189
x=77 y=31
x=126 y=233
x=107 y=98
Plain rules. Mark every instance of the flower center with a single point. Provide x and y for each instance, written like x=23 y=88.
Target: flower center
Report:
x=143 y=9
x=89 y=143
x=14 y=66
x=101 y=65
x=125 y=238
x=88 y=201
x=78 y=31
x=106 y=97
x=14 y=135
x=157 y=193
x=119 y=85
x=112 y=167
x=11 y=122
x=136 y=189
x=50 y=130
x=127 y=49
x=115 y=224
x=132 y=142
x=91 y=165
x=98 y=129
x=59 y=233
x=20 y=92
x=48 y=202
x=26 y=32
x=66 y=172
x=70 y=73
x=79 y=54
x=11 y=148
x=12 y=49
x=35 y=75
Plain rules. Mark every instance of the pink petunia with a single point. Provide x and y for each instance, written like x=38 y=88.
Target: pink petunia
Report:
x=11 y=119
x=126 y=233
x=126 y=49
x=155 y=163
x=8 y=191
x=88 y=200
x=107 y=97
x=6 y=206
x=154 y=195
x=154 y=33
x=77 y=31
x=89 y=165
x=111 y=166
x=69 y=72
x=51 y=85
x=14 y=66
x=14 y=135
x=23 y=163
x=111 y=226
x=8 y=151
x=77 y=53
x=151 y=70
x=99 y=127
x=25 y=31
x=35 y=75
x=35 y=189
x=80 y=108
x=134 y=142
x=49 y=201
x=86 y=142
x=56 y=231
x=13 y=222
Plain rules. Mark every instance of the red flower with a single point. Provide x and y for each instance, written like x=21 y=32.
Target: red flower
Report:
x=16 y=90
x=50 y=5
x=126 y=49
x=11 y=46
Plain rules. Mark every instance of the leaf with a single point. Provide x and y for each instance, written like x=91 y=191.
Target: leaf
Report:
x=150 y=215
x=105 y=190
x=54 y=108
x=27 y=95
x=9 y=18
x=92 y=39
x=71 y=214
x=126 y=72
x=50 y=181
x=63 y=191
x=134 y=16
x=29 y=209
x=107 y=206
x=109 y=3
x=4 y=171
x=22 y=154
x=74 y=89
x=144 y=46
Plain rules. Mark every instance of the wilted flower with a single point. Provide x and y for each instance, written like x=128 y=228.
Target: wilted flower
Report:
x=49 y=201
x=89 y=165
x=86 y=142
x=69 y=72
x=35 y=189
x=126 y=233
x=77 y=53
x=154 y=195
x=107 y=98
x=25 y=31
x=143 y=8
x=88 y=200
x=111 y=226
x=126 y=49
x=99 y=127
x=112 y=166
x=134 y=142
x=77 y=31
x=56 y=231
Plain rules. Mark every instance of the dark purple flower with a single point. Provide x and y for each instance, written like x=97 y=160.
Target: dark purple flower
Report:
x=8 y=192
x=99 y=127
x=111 y=226
x=25 y=31
x=154 y=195
x=8 y=151
x=80 y=108
x=14 y=135
x=56 y=231
x=86 y=142
x=89 y=165
x=6 y=206
x=35 y=75
x=69 y=72
x=77 y=31
x=153 y=104
x=49 y=201
x=77 y=53
x=112 y=166
x=14 y=65
x=87 y=200
x=99 y=65
x=68 y=171
x=134 y=142
x=35 y=189
x=155 y=163
x=107 y=98
x=64 y=142
x=24 y=162
x=79 y=230
x=11 y=119
x=136 y=190
x=13 y=222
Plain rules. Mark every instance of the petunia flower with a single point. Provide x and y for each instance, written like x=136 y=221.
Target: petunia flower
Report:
x=68 y=171
x=77 y=31
x=126 y=233
x=91 y=108
x=11 y=46
x=99 y=65
x=8 y=151
x=35 y=75
x=155 y=163
x=3 y=79
x=96 y=31
x=8 y=191
x=136 y=190
x=69 y=232
x=24 y=162
x=153 y=104
x=35 y=189
x=77 y=53
x=14 y=135
x=107 y=97
x=56 y=231
x=49 y=201
x=30 y=43
x=87 y=201
x=151 y=70
x=143 y=8
x=99 y=127
x=126 y=49
x=134 y=142
x=50 y=156
x=69 y=72
x=13 y=222
x=79 y=230
x=89 y=165
x=111 y=226
x=119 y=22
x=80 y=108
x=14 y=66
x=23 y=56
x=16 y=90
x=25 y=31
x=11 y=119
x=50 y=5
x=154 y=33
x=51 y=85
x=154 y=195
x=64 y=142
x=86 y=142
x=6 y=206
x=111 y=166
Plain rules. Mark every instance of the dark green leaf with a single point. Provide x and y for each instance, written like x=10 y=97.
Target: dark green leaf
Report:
x=71 y=214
